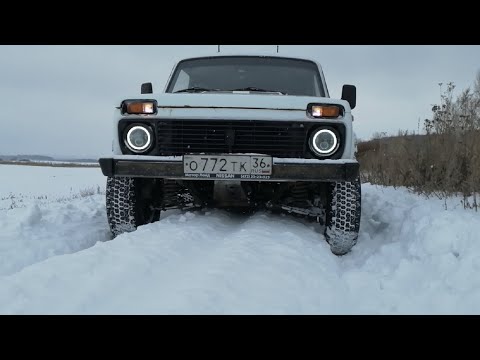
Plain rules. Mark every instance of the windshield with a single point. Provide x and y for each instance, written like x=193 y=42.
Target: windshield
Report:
x=255 y=74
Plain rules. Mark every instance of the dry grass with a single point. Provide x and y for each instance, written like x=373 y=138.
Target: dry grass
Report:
x=444 y=162
x=434 y=162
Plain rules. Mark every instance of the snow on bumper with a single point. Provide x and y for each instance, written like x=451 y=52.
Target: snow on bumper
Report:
x=171 y=167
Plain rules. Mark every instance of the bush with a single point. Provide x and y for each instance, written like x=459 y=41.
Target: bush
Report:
x=444 y=161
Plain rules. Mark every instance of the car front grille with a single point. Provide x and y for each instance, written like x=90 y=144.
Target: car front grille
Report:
x=275 y=138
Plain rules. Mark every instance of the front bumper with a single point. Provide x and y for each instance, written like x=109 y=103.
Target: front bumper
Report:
x=283 y=169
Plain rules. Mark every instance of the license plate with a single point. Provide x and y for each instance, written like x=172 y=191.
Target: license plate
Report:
x=227 y=166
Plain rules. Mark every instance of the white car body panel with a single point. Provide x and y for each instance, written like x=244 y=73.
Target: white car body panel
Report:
x=238 y=106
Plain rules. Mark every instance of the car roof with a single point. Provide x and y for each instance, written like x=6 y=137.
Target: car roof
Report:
x=226 y=54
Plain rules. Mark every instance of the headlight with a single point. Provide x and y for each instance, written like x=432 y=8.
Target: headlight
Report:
x=324 y=111
x=324 y=142
x=139 y=107
x=138 y=138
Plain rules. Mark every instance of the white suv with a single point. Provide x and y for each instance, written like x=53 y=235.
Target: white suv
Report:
x=237 y=132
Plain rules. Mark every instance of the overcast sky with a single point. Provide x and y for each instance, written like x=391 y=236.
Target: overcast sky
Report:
x=59 y=100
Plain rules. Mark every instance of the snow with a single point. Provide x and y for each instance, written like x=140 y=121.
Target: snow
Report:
x=23 y=184
x=38 y=219
x=56 y=257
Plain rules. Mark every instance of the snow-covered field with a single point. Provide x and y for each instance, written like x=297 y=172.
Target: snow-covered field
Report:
x=412 y=257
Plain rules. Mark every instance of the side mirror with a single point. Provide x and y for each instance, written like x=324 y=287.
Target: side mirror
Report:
x=349 y=93
x=146 y=88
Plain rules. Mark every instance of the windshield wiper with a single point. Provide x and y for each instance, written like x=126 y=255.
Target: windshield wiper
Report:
x=253 y=88
x=196 y=89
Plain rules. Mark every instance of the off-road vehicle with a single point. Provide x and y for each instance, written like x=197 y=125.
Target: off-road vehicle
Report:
x=237 y=132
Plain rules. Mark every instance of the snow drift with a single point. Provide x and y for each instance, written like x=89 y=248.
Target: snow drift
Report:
x=56 y=257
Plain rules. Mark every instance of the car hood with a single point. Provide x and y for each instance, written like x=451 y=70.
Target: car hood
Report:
x=246 y=100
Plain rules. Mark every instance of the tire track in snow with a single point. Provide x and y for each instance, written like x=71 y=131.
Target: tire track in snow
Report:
x=411 y=257
x=238 y=259
x=32 y=234
x=178 y=264
x=264 y=256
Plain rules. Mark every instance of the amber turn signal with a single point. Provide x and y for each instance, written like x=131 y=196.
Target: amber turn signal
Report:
x=139 y=107
x=325 y=111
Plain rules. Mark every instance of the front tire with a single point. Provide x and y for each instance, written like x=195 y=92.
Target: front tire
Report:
x=343 y=215
x=127 y=205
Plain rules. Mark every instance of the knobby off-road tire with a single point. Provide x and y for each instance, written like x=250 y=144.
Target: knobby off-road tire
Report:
x=126 y=207
x=343 y=215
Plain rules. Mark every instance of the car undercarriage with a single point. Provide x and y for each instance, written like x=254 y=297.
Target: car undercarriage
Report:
x=307 y=199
